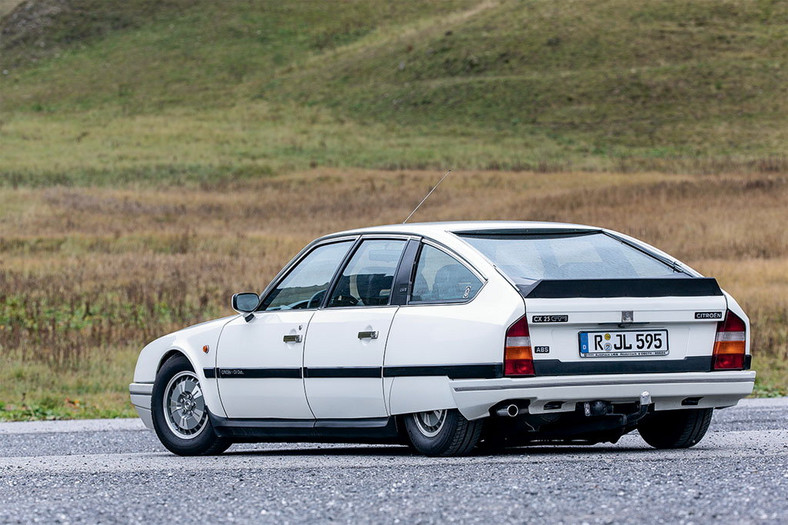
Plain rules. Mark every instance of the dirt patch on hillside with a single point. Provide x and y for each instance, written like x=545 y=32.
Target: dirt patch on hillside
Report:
x=6 y=6
x=37 y=29
x=29 y=22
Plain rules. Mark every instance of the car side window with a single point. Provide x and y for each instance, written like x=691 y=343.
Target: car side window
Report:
x=440 y=278
x=369 y=276
x=306 y=284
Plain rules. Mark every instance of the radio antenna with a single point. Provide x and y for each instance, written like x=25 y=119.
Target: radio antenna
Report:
x=426 y=197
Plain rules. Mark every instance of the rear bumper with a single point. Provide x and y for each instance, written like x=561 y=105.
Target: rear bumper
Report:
x=475 y=397
x=141 y=394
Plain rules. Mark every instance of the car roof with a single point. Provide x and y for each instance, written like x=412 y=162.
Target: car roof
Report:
x=430 y=229
x=445 y=234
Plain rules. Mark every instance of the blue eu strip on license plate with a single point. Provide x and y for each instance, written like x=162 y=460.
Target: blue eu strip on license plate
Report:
x=583 y=342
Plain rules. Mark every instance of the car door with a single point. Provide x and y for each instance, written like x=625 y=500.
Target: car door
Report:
x=343 y=357
x=259 y=361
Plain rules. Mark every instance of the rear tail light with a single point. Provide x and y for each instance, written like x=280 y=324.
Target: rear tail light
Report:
x=730 y=344
x=517 y=357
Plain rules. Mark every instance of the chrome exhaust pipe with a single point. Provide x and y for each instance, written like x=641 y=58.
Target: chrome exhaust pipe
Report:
x=508 y=411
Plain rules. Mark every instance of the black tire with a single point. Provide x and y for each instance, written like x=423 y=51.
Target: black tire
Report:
x=176 y=374
x=442 y=432
x=675 y=428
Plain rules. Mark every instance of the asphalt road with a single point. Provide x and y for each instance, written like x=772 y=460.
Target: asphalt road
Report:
x=114 y=471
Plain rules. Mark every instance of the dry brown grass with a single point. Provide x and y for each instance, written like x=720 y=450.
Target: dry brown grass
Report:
x=90 y=272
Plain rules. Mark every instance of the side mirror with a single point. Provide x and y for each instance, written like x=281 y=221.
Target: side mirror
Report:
x=245 y=303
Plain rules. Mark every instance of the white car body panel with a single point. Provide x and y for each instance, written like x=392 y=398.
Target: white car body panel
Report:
x=447 y=334
x=687 y=336
x=407 y=395
x=334 y=342
x=260 y=345
x=475 y=397
x=187 y=342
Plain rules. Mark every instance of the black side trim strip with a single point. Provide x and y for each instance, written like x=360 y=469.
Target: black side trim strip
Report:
x=361 y=371
x=372 y=422
x=259 y=373
x=747 y=361
x=367 y=430
x=597 y=288
x=554 y=367
x=485 y=371
x=480 y=371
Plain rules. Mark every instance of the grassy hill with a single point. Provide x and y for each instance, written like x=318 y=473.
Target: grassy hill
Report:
x=190 y=89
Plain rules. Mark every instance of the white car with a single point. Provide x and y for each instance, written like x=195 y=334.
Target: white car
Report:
x=447 y=335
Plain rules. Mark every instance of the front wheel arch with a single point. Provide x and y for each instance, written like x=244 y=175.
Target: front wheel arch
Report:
x=172 y=354
x=166 y=389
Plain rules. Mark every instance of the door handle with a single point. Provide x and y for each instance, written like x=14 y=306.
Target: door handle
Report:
x=371 y=334
x=292 y=338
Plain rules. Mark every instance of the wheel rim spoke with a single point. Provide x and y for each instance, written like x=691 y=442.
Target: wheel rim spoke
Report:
x=184 y=406
x=430 y=423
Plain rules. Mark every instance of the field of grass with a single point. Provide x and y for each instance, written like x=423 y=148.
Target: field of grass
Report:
x=194 y=90
x=89 y=275
x=158 y=155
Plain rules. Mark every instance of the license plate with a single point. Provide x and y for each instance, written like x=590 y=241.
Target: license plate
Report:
x=619 y=343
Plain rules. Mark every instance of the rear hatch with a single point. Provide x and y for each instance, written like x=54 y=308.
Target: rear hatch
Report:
x=623 y=325
x=597 y=302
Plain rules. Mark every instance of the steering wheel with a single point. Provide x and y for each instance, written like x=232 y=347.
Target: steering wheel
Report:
x=344 y=300
x=315 y=300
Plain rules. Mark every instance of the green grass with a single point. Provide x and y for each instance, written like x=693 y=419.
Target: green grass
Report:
x=198 y=92
x=97 y=388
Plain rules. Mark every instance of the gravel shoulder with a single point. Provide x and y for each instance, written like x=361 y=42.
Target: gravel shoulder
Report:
x=116 y=471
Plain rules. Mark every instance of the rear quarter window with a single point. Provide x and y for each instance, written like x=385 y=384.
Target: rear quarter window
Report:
x=440 y=278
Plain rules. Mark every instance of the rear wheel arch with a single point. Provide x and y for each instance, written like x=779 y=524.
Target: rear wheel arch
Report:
x=442 y=432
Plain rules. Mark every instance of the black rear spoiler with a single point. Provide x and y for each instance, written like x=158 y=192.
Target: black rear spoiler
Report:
x=592 y=288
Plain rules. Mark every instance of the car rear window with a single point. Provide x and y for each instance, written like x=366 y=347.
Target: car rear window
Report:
x=593 y=255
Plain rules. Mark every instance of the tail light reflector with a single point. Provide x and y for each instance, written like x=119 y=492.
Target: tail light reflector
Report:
x=517 y=357
x=730 y=345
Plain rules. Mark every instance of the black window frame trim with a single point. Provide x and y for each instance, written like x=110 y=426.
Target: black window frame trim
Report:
x=349 y=256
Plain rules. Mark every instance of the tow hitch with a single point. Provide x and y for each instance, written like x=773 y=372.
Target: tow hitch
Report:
x=591 y=422
x=603 y=408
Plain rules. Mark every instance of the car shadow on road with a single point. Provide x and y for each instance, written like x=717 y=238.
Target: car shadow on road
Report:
x=402 y=451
